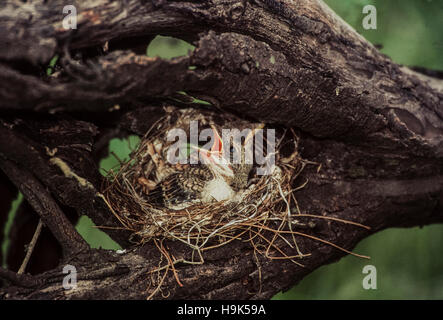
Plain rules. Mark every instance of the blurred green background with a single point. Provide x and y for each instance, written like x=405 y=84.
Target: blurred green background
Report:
x=409 y=262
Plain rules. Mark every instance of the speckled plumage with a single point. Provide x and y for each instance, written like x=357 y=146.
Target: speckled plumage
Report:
x=185 y=186
x=216 y=179
x=192 y=185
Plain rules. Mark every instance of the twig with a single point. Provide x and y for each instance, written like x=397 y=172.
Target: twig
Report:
x=31 y=247
x=162 y=249
x=160 y=283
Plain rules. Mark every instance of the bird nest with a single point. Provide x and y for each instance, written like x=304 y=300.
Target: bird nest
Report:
x=262 y=213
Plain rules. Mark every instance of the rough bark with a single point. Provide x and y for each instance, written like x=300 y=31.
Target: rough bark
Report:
x=375 y=127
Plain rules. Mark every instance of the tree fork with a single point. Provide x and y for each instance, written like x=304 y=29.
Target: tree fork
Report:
x=374 y=126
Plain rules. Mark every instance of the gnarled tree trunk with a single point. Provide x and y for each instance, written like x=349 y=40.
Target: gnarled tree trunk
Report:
x=374 y=126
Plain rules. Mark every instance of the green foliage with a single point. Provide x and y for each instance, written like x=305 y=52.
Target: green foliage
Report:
x=168 y=48
x=408 y=30
x=94 y=236
x=408 y=266
x=119 y=150
x=11 y=215
x=194 y=100
x=51 y=65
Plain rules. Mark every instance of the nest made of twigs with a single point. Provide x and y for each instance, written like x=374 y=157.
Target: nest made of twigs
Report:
x=266 y=205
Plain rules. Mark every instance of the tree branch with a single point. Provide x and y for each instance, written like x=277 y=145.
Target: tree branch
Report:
x=22 y=280
x=42 y=202
x=62 y=161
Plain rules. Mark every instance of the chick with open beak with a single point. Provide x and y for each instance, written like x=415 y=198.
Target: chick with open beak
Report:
x=218 y=188
x=206 y=182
